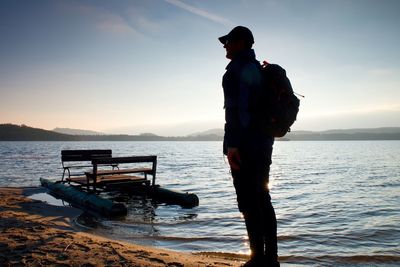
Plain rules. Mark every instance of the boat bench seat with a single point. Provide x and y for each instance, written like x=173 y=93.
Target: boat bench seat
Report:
x=106 y=179
x=95 y=174
x=81 y=160
x=120 y=171
x=99 y=177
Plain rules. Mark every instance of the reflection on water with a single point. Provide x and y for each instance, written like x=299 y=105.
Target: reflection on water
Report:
x=336 y=202
x=147 y=223
x=47 y=198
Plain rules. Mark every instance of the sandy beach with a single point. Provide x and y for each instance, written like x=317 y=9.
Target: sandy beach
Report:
x=34 y=233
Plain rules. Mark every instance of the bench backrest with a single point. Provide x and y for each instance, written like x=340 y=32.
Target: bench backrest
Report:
x=85 y=155
x=134 y=159
x=120 y=160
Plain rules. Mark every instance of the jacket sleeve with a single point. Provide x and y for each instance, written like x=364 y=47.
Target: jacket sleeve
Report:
x=236 y=128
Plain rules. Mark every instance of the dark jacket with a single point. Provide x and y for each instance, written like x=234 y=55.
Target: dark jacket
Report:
x=241 y=82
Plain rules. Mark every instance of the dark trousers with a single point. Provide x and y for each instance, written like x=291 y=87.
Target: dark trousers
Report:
x=254 y=201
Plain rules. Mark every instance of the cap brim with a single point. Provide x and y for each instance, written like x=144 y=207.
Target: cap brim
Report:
x=223 y=39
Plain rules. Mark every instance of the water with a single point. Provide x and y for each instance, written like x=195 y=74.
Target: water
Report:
x=337 y=203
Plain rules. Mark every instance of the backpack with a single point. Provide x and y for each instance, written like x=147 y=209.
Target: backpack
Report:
x=277 y=106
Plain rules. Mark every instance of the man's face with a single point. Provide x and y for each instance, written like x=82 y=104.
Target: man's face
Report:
x=233 y=47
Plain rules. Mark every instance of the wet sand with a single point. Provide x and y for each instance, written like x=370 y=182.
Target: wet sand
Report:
x=33 y=233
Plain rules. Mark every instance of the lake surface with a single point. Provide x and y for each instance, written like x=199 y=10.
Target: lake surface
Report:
x=337 y=202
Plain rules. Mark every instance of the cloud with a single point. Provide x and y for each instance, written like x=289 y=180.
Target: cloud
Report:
x=104 y=20
x=137 y=17
x=201 y=12
x=115 y=24
x=355 y=110
x=380 y=72
x=381 y=117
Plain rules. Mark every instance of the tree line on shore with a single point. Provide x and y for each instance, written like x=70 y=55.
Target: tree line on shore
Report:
x=12 y=132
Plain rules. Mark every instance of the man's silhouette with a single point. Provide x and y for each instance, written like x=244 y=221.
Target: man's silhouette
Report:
x=249 y=151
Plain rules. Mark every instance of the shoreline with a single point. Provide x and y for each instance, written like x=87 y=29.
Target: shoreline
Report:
x=34 y=233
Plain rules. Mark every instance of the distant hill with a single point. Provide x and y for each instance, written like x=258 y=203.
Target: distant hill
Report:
x=385 y=133
x=217 y=132
x=76 y=131
x=11 y=132
x=381 y=130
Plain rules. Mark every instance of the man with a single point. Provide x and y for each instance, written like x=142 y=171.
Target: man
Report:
x=248 y=150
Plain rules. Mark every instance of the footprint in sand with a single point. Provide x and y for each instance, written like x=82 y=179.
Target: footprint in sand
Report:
x=142 y=253
x=62 y=257
x=156 y=260
x=81 y=247
x=18 y=238
x=222 y=263
x=39 y=253
x=175 y=264
x=20 y=247
x=38 y=228
x=3 y=246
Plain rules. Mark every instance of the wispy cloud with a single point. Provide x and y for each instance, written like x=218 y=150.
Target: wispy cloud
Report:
x=104 y=20
x=137 y=17
x=381 y=72
x=115 y=24
x=201 y=12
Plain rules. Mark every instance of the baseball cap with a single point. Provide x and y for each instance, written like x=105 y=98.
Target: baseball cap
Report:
x=238 y=33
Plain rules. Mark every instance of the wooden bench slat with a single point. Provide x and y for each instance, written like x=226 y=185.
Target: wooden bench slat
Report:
x=136 y=159
x=77 y=166
x=86 y=151
x=85 y=155
x=107 y=179
x=121 y=171
x=78 y=180
x=88 y=166
x=120 y=177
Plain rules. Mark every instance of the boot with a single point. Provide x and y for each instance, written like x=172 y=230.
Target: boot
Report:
x=255 y=261
x=270 y=233
x=256 y=239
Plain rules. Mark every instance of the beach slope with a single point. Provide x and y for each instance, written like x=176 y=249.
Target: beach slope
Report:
x=33 y=233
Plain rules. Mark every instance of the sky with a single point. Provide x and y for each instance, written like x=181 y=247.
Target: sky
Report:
x=156 y=65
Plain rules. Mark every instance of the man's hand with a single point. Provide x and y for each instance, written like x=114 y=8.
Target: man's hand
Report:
x=234 y=158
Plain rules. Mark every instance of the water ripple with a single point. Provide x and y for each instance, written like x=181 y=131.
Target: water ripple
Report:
x=337 y=203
